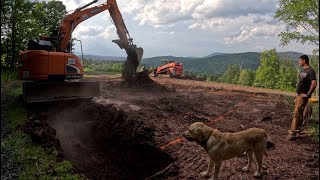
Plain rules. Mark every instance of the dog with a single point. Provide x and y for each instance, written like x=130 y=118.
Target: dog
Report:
x=307 y=112
x=223 y=146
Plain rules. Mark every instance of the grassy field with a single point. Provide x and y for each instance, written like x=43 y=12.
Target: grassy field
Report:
x=8 y=76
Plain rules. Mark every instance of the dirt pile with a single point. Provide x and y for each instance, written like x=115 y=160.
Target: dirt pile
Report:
x=103 y=143
x=143 y=77
x=140 y=79
x=40 y=132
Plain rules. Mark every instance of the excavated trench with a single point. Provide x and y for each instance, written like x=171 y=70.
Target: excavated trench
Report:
x=101 y=141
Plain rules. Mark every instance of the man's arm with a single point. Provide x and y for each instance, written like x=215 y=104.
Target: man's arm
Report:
x=312 y=87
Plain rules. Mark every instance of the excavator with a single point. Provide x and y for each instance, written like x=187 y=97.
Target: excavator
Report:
x=51 y=72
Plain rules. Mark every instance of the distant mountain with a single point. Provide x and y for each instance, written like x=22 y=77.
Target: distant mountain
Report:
x=215 y=54
x=290 y=55
x=218 y=63
x=214 y=63
x=156 y=61
x=102 y=58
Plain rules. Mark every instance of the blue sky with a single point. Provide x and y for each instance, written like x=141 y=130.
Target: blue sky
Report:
x=186 y=27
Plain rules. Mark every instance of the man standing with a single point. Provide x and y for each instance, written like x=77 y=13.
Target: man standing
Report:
x=306 y=85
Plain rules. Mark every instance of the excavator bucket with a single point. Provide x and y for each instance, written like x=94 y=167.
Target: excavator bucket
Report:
x=139 y=52
x=131 y=64
x=56 y=91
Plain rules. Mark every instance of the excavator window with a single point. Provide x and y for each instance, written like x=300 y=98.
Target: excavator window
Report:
x=40 y=45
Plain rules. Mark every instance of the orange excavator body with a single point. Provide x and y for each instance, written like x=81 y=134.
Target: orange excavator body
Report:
x=45 y=65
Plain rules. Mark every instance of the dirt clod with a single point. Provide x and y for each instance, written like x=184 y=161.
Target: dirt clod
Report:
x=267 y=118
x=41 y=133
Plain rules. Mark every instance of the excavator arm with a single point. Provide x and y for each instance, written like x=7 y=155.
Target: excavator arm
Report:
x=134 y=54
x=71 y=21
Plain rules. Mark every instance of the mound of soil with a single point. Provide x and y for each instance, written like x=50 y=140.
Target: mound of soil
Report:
x=103 y=143
x=143 y=77
x=41 y=133
x=140 y=79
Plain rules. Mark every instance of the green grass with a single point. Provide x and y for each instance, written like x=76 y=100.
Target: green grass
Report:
x=313 y=128
x=8 y=76
x=34 y=161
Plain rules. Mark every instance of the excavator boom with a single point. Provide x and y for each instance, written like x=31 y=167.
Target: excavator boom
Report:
x=125 y=42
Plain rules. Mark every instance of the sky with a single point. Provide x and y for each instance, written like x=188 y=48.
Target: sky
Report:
x=186 y=28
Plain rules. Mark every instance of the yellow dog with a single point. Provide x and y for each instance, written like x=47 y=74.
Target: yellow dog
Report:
x=223 y=146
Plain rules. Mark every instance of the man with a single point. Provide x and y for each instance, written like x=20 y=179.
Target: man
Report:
x=151 y=69
x=306 y=85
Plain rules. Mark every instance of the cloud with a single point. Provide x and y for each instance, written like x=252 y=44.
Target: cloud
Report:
x=95 y=32
x=231 y=8
x=163 y=33
x=209 y=23
x=266 y=19
x=185 y=27
x=74 y=4
x=134 y=6
x=161 y=12
x=254 y=32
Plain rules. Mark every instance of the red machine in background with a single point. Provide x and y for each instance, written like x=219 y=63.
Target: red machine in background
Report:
x=170 y=68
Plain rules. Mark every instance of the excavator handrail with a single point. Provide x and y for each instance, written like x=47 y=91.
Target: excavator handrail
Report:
x=92 y=2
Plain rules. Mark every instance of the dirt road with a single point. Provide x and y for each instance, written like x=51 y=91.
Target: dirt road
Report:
x=135 y=131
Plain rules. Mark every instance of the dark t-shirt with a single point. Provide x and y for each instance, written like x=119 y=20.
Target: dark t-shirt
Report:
x=305 y=78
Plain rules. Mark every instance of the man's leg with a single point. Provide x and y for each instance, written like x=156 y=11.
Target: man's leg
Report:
x=297 y=121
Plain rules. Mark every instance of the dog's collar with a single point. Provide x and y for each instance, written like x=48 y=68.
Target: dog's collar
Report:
x=204 y=142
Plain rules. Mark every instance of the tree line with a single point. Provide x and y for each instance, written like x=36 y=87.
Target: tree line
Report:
x=102 y=67
x=274 y=72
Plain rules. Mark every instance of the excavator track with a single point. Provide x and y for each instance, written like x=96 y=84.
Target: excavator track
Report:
x=34 y=92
